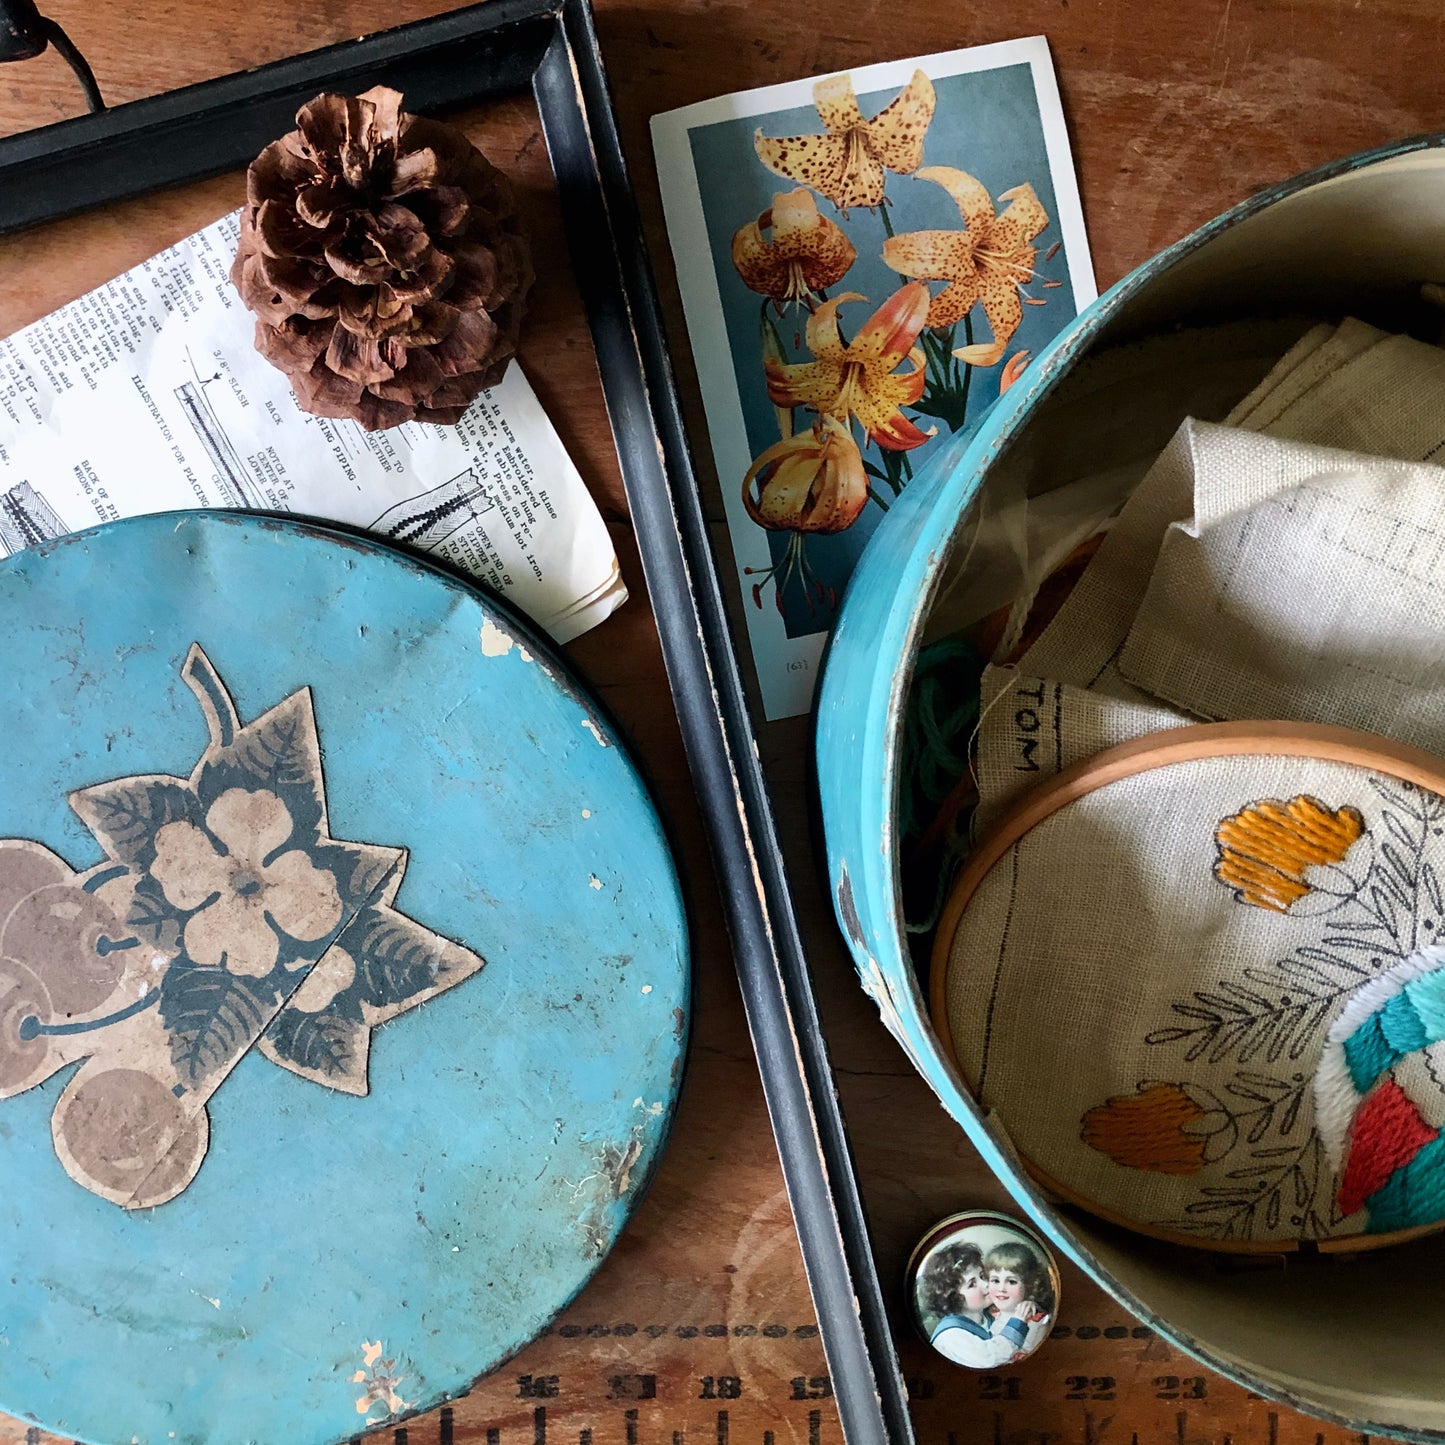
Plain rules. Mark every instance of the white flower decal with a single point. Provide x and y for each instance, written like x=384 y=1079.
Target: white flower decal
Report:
x=245 y=893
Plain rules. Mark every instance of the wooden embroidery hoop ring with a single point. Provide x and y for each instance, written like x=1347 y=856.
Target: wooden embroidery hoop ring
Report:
x=1192 y=743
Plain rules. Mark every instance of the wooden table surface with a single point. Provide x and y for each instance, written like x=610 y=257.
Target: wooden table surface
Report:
x=699 y=1325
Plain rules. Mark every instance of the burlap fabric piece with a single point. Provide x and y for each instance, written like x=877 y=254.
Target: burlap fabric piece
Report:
x=1248 y=1047
x=1321 y=352
x=1121 y=404
x=1362 y=390
x=1337 y=387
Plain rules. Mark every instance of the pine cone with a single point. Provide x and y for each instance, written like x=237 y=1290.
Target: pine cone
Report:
x=384 y=259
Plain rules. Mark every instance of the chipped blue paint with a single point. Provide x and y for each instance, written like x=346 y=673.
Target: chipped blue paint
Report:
x=867 y=673
x=511 y=1122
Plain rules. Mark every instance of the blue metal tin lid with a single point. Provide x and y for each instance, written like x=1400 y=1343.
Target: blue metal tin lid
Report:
x=343 y=984
x=983 y=1289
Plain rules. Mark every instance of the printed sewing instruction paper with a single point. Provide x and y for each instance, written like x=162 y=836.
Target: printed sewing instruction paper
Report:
x=148 y=395
x=1009 y=234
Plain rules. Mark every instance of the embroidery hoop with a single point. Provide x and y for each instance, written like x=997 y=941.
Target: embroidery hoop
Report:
x=1201 y=741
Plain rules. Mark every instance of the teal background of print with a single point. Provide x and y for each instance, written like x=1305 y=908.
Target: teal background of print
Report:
x=452 y=1212
x=987 y=124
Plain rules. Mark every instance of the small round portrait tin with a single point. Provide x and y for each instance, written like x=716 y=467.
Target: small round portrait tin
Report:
x=983 y=1289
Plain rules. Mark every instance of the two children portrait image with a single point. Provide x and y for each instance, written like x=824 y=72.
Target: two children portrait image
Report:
x=987 y=1308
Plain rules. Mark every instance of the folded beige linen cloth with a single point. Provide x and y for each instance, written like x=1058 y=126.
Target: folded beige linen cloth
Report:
x=1284 y=565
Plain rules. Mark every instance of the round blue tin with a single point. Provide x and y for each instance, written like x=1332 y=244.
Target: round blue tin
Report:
x=343 y=984
x=1358 y=237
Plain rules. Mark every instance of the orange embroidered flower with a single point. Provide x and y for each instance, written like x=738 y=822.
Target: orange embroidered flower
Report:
x=988 y=262
x=805 y=254
x=862 y=378
x=1266 y=849
x=847 y=162
x=812 y=482
x=1148 y=1130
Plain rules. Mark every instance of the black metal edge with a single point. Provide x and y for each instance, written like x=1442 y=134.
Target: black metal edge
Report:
x=641 y=394
x=220 y=125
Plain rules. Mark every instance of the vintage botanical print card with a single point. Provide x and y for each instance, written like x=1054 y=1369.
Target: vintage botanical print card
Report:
x=867 y=260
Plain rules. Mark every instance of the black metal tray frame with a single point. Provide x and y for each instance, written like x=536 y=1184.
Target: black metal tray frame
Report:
x=477 y=54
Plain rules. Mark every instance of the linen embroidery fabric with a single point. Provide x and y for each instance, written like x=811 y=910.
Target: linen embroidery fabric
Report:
x=1250 y=1043
x=1280 y=566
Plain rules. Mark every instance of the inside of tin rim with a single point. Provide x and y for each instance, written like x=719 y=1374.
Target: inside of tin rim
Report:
x=1349 y=1335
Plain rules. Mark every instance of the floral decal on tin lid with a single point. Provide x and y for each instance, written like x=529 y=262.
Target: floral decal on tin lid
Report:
x=225 y=916
x=380 y=1381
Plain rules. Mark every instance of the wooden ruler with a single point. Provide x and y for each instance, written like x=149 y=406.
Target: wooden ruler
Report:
x=1102 y=1380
